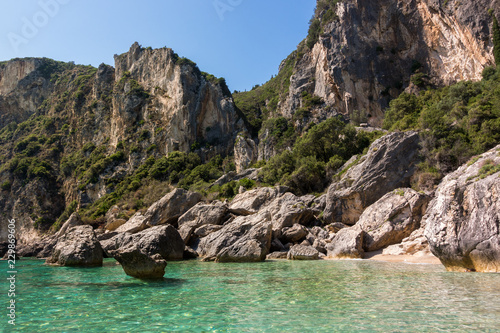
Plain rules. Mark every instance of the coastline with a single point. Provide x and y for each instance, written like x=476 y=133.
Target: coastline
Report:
x=428 y=259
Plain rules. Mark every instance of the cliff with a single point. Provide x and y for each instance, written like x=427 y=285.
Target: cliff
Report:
x=72 y=134
x=361 y=54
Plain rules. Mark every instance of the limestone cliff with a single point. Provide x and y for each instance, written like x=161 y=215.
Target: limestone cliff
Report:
x=72 y=134
x=360 y=54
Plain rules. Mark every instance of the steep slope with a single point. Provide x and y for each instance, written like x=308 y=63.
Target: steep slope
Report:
x=360 y=54
x=71 y=135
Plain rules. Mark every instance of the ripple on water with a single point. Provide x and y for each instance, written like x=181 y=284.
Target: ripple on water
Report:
x=322 y=296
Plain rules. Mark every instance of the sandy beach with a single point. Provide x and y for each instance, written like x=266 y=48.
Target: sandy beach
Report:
x=423 y=259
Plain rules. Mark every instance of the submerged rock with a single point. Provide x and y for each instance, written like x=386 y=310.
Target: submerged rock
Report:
x=143 y=255
x=302 y=252
x=78 y=247
x=463 y=220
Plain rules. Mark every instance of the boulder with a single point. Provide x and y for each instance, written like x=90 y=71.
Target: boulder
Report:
x=245 y=239
x=202 y=213
x=389 y=164
x=164 y=240
x=293 y=234
x=287 y=210
x=206 y=230
x=416 y=245
x=138 y=264
x=168 y=209
x=392 y=218
x=277 y=255
x=254 y=200
x=73 y=221
x=144 y=255
x=302 y=252
x=347 y=244
x=463 y=220
x=113 y=221
x=135 y=224
x=77 y=247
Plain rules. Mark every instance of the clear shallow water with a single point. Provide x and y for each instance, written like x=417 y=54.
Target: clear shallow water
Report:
x=321 y=296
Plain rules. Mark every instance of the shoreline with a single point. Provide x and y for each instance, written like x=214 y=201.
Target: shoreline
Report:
x=428 y=259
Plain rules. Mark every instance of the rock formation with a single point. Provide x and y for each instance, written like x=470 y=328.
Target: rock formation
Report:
x=389 y=164
x=77 y=247
x=462 y=221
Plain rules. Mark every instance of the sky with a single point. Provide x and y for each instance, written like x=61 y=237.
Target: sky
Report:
x=243 y=41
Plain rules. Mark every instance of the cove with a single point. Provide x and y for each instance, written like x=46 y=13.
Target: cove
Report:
x=272 y=296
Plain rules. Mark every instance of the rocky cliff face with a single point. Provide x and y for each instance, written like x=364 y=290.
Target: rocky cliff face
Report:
x=367 y=51
x=71 y=133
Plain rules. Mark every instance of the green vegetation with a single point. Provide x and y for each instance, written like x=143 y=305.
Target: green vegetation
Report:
x=261 y=102
x=316 y=156
x=457 y=122
x=496 y=39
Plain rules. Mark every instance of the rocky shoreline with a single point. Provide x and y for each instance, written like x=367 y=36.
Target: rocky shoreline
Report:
x=369 y=208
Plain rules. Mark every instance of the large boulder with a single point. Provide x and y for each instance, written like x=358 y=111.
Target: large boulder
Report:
x=134 y=224
x=287 y=210
x=164 y=240
x=245 y=239
x=415 y=245
x=463 y=220
x=392 y=218
x=302 y=252
x=389 y=164
x=77 y=247
x=145 y=254
x=202 y=213
x=168 y=209
x=347 y=244
x=252 y=201
x=113 y=220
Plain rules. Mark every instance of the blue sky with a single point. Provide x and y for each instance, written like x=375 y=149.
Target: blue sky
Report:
x=241 y=40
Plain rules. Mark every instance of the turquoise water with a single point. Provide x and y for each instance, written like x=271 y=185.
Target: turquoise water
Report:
x=284 y=296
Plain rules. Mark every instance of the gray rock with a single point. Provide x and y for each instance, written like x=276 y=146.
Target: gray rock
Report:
x=392 y=218
x=77 y=247
x=389 y=164
x=140 y=265
x=246 y=239
x=186 y=231
x=135 y=224
x=73 y=221
x=168 y=209
x=277 y=255
x=302 y=252
x=416 y=245
x=202 y=213
x=164 y=240
x=336 y=226
x=252 y=201
x=245 y=151
x=112 y=218
x=462 y=221
x=293 y=234
x=206 y=230
x=287 y=210
x=347 y=244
